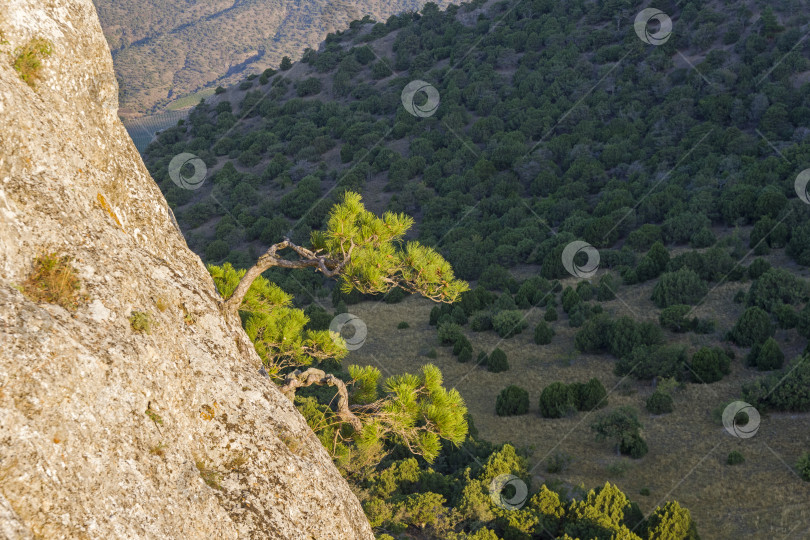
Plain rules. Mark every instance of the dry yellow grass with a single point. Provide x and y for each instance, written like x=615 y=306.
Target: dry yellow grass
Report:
x=761 y=498
x=53 y=280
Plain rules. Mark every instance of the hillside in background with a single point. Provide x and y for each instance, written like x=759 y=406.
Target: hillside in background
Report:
x=163 y=50
x=511 y=130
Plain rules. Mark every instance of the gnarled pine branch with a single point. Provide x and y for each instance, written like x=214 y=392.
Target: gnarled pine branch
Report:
x=301 y=379
x=328 y=266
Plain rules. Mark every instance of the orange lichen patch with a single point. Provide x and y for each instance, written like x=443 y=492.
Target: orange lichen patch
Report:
x=209 y=412
x=102 y=202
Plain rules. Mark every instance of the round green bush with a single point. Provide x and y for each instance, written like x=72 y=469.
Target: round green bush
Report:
x=481 y=322
x=509 y=323
x=734 y=458
x=634 y=446
x=465 y=355
x=590 y=395
x=557 y=400
x=543 y=333
x=659 y=403
x=681 y=287
x=512 y=401
x=496 y=362
x=551 y=314
x=766 y=357
x=403 y=325
x=753 y=326
x=710 y=365
x=803 y=465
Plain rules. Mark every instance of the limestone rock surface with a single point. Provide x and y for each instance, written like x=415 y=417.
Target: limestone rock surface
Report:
x=221 y=453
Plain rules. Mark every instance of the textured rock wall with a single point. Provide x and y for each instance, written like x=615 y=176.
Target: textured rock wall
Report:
x=79 y=456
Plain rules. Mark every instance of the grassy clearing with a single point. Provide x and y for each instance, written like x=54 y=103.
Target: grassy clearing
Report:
x=688 y=448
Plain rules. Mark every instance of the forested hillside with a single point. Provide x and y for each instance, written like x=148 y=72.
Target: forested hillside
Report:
x=165 y=50
x=629 y=203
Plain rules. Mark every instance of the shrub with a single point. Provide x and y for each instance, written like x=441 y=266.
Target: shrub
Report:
x=432 y=353
x=53 y=280
x=558 y=462
x=659 y=403
x=786 y=316
x=308 y=87
x=626 y=334
x=621 y=426
x=785 y=390
x=758 y=267
x=543 y=333
x=710 y=365
x=496 y=362
x=460 y=343
x=681 y=287
x=570 y=298
x=286 y=63
x=674 y=318
x=435 y=313
x=557 y=400
x=590 y=395
x=512 y=401
x=766 y=357
x=776 y=286
x=449 y=333
x=551 y=314
x=458 y=316
x=509 y=323
x=634 y=446
x=481 y=322
x=734 y=458
x=753 y=326
x=465 y=354
x=403 y=325
x=219 y=90
x=803 y=465
x=648 y=362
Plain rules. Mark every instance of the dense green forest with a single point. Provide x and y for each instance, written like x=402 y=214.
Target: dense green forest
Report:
x=537 y=124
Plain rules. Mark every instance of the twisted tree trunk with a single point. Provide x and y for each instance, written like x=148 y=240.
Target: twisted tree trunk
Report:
x=328 y=266
x=301 y=379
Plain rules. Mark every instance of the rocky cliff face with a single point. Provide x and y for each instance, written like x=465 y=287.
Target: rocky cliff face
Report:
x=106 y=432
